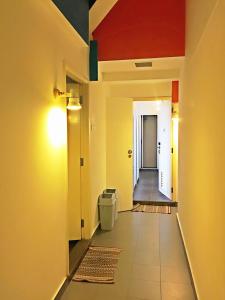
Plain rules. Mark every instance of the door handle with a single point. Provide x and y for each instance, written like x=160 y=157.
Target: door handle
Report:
x=129 y=153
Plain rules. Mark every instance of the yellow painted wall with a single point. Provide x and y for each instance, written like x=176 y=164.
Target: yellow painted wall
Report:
x=119 y=140
x=202 y=142
x=97 y=146
x=36 y=45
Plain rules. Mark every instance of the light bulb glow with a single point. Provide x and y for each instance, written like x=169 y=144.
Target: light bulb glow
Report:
x=74 y=104
x=73 y=107
x=57 y=127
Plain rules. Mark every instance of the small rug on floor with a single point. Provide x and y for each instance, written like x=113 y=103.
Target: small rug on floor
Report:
x=98 y=265
x=161 y=209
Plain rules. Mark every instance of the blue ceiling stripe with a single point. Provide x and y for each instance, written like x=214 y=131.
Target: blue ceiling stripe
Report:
x=77 y=13
x=91 y=3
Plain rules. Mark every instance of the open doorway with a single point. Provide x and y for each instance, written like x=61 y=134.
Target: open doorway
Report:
x=74 y=171
x=152 y=176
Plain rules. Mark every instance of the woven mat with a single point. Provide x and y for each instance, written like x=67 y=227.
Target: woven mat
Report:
x=98 y=265
x=162 y=209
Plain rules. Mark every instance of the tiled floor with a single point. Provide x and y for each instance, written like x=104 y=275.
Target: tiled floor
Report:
x=152 y=265
x=147 y=187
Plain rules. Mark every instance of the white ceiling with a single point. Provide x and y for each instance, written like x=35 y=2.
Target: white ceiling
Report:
x=123 y=70
x=167 y=63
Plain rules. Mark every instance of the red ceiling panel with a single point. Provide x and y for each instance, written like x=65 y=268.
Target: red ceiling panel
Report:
x=175 y=91
x=142 y=29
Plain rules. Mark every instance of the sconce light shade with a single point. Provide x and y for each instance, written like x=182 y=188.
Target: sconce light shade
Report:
x=74 y=104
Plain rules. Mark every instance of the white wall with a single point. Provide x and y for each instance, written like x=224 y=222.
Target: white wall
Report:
x=97 y=152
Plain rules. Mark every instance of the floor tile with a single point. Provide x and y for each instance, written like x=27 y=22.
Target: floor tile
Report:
x=173 y=258
x=145 y=272
x=81 y=291
x=147 y=257
x=117 y=290
x=147 y=187
x=152 y=255
x=175 y=291
x=144 y=289
x=175 y=275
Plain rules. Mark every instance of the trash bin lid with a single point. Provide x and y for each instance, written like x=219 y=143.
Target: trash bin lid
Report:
x=110 y=190
x=107 y=196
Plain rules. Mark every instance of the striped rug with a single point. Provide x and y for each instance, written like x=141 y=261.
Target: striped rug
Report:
x=98 y=265
x=161 y=209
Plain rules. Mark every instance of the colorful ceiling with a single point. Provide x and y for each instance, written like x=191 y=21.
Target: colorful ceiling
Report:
x=142 y=29
x=91 y=3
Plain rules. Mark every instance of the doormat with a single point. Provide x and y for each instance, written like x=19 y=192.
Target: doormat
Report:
x=98 y=265
x=161 y=209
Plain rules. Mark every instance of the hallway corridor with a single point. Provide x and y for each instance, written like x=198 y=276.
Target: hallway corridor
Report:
x=152 y=264
x=147 y=187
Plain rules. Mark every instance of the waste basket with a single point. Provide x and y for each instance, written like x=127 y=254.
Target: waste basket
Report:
x=114 y=192
x=106 y=204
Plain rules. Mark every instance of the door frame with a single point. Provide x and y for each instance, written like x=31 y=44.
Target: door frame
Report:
x=69 y=71
x=172 y=157
x=75 y=171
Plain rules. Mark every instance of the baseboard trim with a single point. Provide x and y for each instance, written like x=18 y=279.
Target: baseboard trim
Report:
x=95 y=229
x=193 y=280
x=61 y=289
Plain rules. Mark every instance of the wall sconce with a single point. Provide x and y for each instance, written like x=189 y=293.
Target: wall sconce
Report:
x=58 y=93
x=74 y=103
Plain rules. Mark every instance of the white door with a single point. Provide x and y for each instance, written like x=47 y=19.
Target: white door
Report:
x=135 y=146
x=119 y=152
x=164 y=148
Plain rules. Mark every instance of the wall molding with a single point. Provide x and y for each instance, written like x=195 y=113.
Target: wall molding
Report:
x=95 y=229
x=60 y=289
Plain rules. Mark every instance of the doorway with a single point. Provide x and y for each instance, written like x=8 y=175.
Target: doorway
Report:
x=74 y=169
x=124 y=153
x=152 y=151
